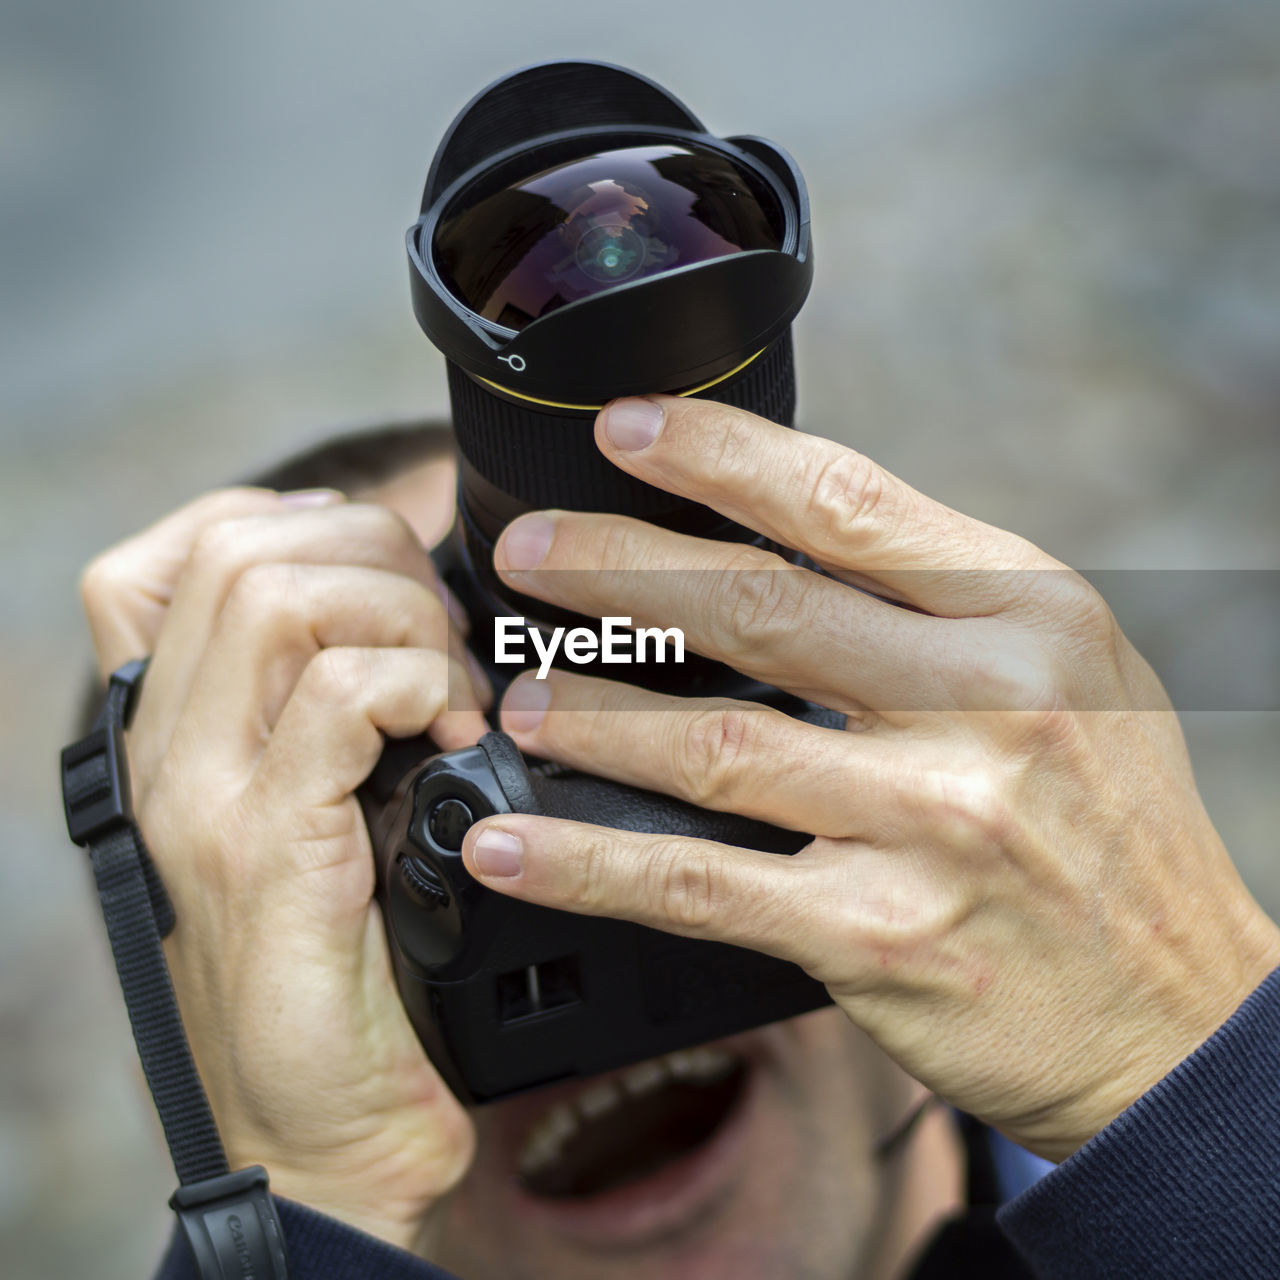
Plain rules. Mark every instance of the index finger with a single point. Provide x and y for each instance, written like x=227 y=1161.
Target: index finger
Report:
x=821 y=498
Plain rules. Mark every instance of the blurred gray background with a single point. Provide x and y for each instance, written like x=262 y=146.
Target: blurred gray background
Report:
x=1048 y=293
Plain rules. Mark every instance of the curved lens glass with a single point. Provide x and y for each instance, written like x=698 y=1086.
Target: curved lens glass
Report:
x=580 y=228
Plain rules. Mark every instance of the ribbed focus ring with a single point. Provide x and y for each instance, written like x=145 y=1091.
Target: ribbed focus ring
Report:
x=766 y=387
x=548 y=459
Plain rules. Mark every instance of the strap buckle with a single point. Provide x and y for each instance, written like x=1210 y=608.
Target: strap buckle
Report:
x=95 y=771
x=95 y=786
x=231 y=1224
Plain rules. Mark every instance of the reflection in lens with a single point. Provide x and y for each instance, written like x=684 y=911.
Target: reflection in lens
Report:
x=610 y=253
x=579 y=228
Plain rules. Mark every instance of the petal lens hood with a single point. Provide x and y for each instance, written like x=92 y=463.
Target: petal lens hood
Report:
x=567 y=263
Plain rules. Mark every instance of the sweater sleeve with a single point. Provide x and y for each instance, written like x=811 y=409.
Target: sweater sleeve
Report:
x=320 y=1248
x=1183 y=1184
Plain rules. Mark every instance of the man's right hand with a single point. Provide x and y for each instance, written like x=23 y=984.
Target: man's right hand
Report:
x=288 y=634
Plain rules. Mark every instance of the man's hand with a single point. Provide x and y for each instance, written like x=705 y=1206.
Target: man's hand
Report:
x=1014 y=886
x=289 y=634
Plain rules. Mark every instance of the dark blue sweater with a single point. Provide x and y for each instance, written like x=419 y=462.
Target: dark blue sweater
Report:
x=1184 y=1185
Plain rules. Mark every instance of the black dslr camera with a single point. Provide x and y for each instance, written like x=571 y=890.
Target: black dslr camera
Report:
x=582 y=237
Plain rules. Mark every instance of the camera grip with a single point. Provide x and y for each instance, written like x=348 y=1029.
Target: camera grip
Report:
x=507 y=995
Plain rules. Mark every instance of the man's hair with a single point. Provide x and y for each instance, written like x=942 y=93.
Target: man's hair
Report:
x=350 y=462
x=360 y=459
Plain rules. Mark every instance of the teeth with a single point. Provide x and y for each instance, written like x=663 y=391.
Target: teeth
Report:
x=536 y=1156
x=645 y=1077
x=547 y=1139
x=599 y=1099
x=561 y=1124
x=700 y=1064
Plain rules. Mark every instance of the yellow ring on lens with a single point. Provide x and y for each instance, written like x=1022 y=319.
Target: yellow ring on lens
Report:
x=594 y=408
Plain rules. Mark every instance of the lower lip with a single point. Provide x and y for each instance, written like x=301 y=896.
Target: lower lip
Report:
x=661 y=1203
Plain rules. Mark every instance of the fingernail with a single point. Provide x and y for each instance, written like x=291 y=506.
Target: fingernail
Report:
x=633 y=424
x=311 y=497
x=525 y=543
x=497 y=853
x=525 y=704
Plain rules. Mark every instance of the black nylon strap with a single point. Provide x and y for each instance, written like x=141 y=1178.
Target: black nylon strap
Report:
x=138 y=912
x=180 y=1099
x=229 y=1219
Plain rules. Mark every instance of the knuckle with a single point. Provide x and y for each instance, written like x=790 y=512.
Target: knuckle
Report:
x=101 y=581
x=587 y=889
x=1064 y=604
x=711 y=750
x=967 y=810
x=1088 y=615
x=1053 y=729
x=587 y=732
x=222 y=546
x=1007 y=678
x=615 y=539
x=733 y=433
x=757 y=602
x=597 y=556
x=683 y=885
x=264 y=590
x=1033 y=696
x=846 y=498
x=339 y=676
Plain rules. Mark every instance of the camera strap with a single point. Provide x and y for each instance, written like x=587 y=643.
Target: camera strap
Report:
x=229 y=1219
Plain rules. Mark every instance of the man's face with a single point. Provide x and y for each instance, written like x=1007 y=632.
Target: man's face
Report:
x=751 y=1158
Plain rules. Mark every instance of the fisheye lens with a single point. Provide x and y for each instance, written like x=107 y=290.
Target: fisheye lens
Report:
x=578 y=228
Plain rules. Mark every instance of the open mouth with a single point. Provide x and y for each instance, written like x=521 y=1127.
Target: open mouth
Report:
x=630 y=1124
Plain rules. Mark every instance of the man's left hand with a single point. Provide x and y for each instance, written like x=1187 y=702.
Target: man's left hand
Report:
x=1013 y=885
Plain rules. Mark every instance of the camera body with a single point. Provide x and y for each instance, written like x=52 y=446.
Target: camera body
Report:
x=582 y=237
x=508 y=995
